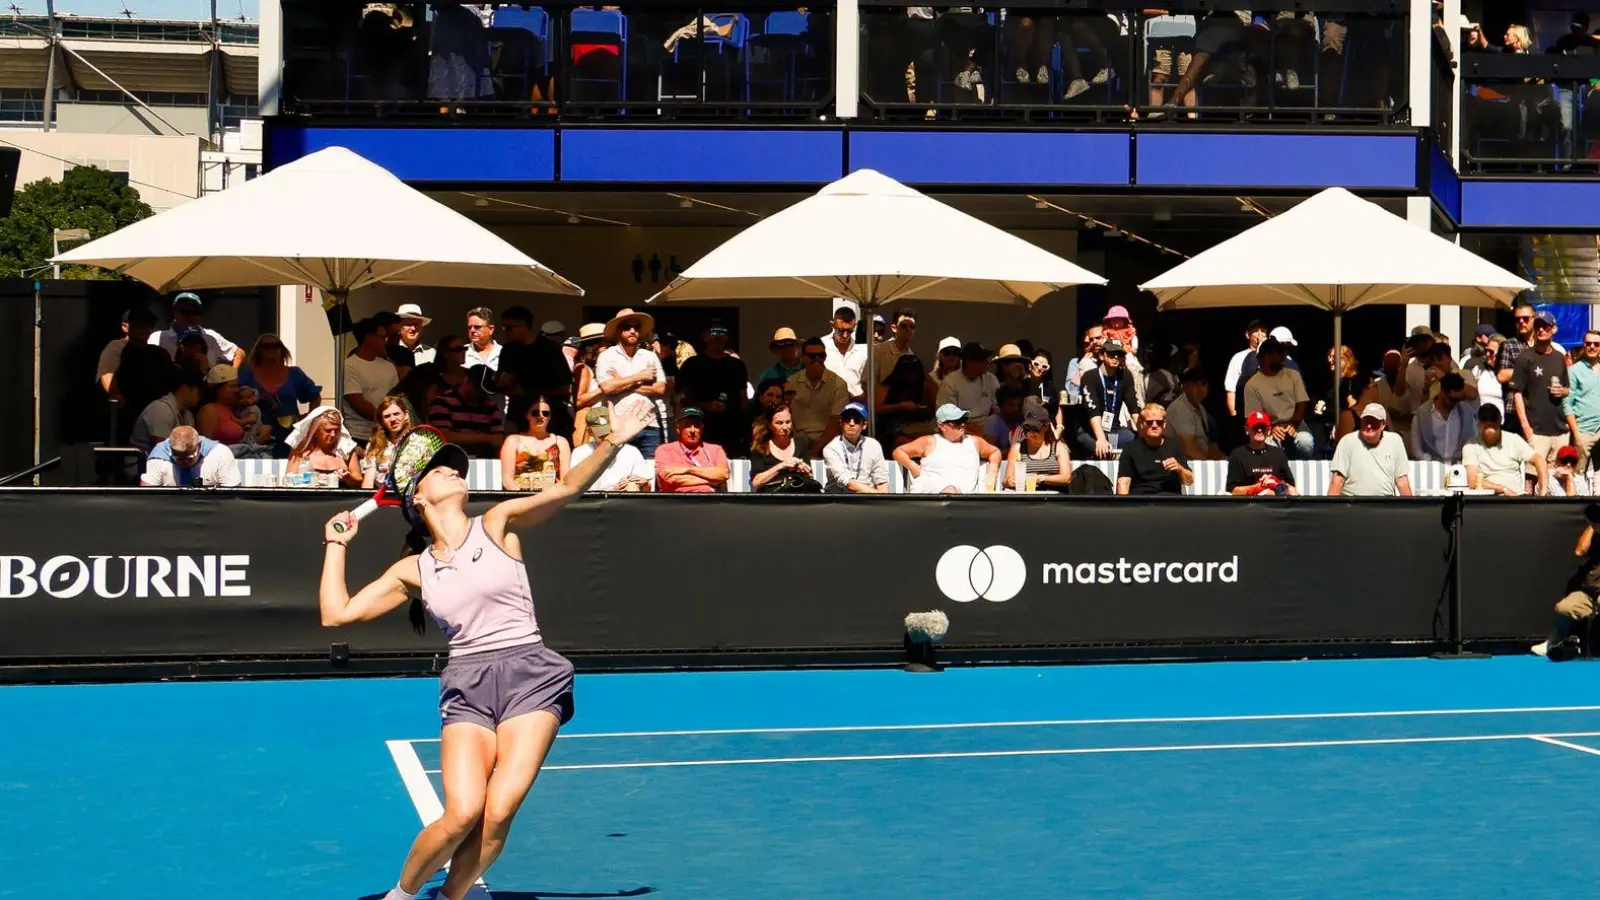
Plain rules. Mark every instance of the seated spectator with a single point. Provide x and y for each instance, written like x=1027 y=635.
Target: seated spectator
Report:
x=1187 y=419
x=974 y=388
x=628 y=472
x=1110 y=403
x=1496 y=458
x=855 y=463
x=1153 y=464
x=1565 y=481
x=688 y=465
x=186 y=316
x=819 y=395
x=778 y=457
x=468 y=414
x=395 y=418
x=219 y=420
x=185 y=459
x=1038 y=461
x=948 y=462
x=770 y=395
x=1003 y=427
x=1279 y=392
x=1446 y=423
x=534 y=460
x=168 y=412
x=1371 y=462
x=1258 y=467
x=369 y=376
x=906 y=400
x=323 y=451
x=948 y=360
x=282 y=389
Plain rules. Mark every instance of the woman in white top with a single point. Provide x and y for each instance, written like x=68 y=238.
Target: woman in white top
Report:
x=948 y=462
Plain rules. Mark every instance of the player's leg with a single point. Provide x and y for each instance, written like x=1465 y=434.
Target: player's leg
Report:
x=467 y=756
x=523 y=743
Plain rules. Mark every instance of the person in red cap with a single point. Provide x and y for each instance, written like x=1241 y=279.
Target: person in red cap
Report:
x=1565 y=480
x=1259 y=467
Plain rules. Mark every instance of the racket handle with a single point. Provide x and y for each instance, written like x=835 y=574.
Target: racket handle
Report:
x=359 y=513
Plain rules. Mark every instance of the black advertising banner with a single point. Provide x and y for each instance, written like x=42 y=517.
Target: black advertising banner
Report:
x=173 y=575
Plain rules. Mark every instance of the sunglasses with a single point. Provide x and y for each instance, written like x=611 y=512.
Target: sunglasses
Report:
x=1523 y=318
x=816 y=357
x=853 y=420
x=540 y=413
x=1116 y=355
x=1591 y=343
x=478 y=327
x=1371 y=423
x=1032 y=429
x=1155 y=423
x=1041 y=365
x=628 y=326
x=1544 y=324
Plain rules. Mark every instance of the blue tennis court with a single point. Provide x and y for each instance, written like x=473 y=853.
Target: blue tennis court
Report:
x=1400 y=778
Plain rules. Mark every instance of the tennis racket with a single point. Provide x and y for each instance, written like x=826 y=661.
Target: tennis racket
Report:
x=411 y=453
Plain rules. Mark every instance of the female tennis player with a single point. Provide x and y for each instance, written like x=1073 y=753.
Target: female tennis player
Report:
x=503 y=694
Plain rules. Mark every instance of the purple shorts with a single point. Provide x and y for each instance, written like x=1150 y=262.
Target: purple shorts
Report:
x=491 y=687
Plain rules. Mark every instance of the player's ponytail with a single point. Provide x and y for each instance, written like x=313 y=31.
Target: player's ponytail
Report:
x=416 y=542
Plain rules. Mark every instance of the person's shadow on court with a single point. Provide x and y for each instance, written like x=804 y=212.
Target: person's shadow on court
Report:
x=552 y=895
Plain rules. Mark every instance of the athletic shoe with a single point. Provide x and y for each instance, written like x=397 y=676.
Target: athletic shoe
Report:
x=1022 y=75
x=1540 y=649
x=1102 y=76
x=1077 y=88
x=1043 y=77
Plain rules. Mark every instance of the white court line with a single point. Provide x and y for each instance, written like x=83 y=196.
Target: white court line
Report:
x=1547 y=739
x=1038 y=723
x=427 y=804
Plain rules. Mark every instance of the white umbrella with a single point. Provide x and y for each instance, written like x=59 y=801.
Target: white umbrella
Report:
x=332 y=220
x=1336 y=252
x=871 y=239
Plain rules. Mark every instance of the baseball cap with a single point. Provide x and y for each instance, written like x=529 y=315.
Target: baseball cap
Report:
x=1544 y=316
x=856 y=408
x=1112 y=345
x=1375 y=411
x=717 y=328
x=950 y=343
x=950 y=413
x=450 y=455
x=1257 y=419
x=1283 y=335
x=1193 y=376
x=221 y=373
x=972 y=351
x=1567 y=454
x=1117 y=312
x=1270 y=345
x=191 y=334
x=1035 y=417
x=598 y=419
x=187 y=300
x=1485 y=330
x=691 y=412
x=552 y=327
x=1422 y=331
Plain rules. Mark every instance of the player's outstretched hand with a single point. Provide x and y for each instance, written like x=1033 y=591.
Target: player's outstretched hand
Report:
x=345 y=521
x=623 y=428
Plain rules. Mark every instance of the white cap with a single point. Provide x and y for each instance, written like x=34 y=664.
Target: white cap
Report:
x=1283 y=336
x=553 y=326
x=949 y=343
x=1375 y=411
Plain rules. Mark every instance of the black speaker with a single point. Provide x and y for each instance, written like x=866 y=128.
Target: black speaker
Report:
x=10 y=159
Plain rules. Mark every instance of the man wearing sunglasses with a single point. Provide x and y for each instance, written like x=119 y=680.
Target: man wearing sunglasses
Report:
x=185 y=459
x=631 y=376
x=847 y=358
x=1506 y=360
x=1582 y=405
x=1153 y=464
x=819 y=395
x=1110 y=403
x=1539 y=390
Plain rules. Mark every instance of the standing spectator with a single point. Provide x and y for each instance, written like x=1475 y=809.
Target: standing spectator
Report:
x=1506 y=363
x=1394 y=394
x=186 y=314
x=1279 y=392
x=1109 y=403
x=412 y=321
x=1478 y=352
x=167 y=412
x=1538 y=385
x=393 y=350
x=1258 y=467
x=281 y=389
x=534 y=361
x=395 y=418
x=1039 y=461
x=368 y=377
x=1153 y=464
x=1003 y=427
x=907 y=397
x=111 y=354
x=323 y=449
x=1118 y=325
x=483 y=349
x=1338 y=413
x=1582 y=404
x=847 y=358
x=1187 y=420
x=949 y=462
x=469 y=414
x=1372 y=461
x=534 y=460
x=633 y=377
x=585 y=386
x=1417 y=351
x=972 y=389
x=1442 y=427
x=143 y=373
x=1580 y=602
x=786 y=347
x=880 y=330
x=854 y=462
x=905 y=330
x=1496 y=459
x=1232 y=381
x=819 y=396
x=688 y=465
x=715 y=381
x=1484 y=373
x=192 y=353
x=185 y=459
x=779 y=457
x=1094 y=338
x=1566 y=480
x=1041 y=372
x=1286 y=342
x=628 y=471
x=948 y=361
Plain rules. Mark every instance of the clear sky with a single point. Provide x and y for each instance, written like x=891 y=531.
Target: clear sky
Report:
x=144 y=9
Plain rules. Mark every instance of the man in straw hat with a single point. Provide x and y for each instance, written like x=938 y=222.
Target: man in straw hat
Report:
x=632 y=376
x=412 y=321
x=785 y=345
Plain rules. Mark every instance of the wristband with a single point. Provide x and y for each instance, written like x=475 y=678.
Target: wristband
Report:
x=326 y=542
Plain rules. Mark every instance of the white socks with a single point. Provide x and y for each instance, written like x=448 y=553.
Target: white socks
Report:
x=398 y=894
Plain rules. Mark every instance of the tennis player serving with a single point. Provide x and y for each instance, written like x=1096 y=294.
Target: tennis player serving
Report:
x=503 y=694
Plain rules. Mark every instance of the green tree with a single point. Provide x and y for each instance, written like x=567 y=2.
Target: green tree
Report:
x=86 y=197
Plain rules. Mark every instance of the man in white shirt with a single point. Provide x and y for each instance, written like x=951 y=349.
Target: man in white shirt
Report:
x=627 y=471
x=412 y=321
x=368 y=377
x=1254 y=334
x=846 y=357
x=1187 y=419
x=1441 y=428
x=185 y=459
x=854 y=462
x=632 y=376
x=973 y=389
x=1371 y=462
x=482 y=348
x=186 y=315
x=1496 y=458
x=165 y=413
x=1279 y=392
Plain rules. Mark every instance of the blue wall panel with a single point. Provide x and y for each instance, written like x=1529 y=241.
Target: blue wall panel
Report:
x=1010 y=157
x=1530 y=204
x=431 y=154
x=1173 y=159
x=733 y=156
x=1444 y=185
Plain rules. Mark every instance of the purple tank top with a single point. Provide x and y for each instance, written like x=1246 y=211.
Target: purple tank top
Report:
x=480 y=598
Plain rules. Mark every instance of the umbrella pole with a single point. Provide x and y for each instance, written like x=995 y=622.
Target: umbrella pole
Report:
x=340 y=301
x=871 y=387
x=1338 y=370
